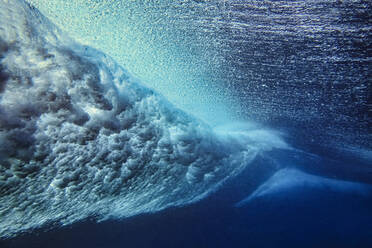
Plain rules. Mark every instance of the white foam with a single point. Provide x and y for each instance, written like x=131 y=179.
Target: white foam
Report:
x=80 y=136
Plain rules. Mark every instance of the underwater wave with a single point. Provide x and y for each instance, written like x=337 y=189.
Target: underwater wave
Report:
x=81 y=137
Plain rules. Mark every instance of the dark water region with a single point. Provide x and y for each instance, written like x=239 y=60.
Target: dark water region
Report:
x=301 y=218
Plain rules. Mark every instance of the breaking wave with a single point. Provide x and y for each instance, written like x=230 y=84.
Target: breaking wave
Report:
x=80 y=137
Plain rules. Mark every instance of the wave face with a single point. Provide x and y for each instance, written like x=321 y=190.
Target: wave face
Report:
x=80 y=136
x=301 y=66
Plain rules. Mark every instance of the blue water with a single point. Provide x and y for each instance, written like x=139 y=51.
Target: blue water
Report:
x=185 y=123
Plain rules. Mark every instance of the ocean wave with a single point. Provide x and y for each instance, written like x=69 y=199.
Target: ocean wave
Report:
x=81 y=137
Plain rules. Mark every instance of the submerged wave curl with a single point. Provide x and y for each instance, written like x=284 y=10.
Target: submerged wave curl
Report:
x=81 y=137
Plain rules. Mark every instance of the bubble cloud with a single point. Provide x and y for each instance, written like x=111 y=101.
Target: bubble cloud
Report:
x=81 y=137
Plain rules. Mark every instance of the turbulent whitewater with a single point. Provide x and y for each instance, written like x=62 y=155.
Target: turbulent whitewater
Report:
x=80 y=137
